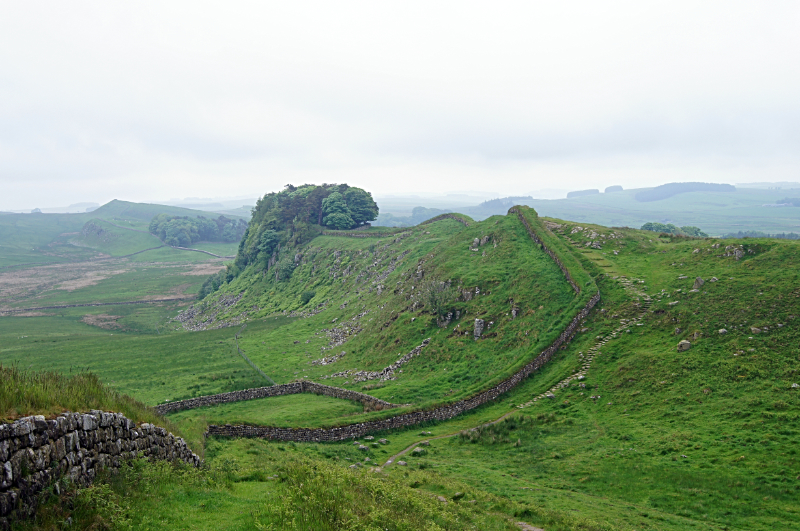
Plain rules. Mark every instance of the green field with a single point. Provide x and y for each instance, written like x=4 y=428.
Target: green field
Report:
x=58 y=238
x=651 y=438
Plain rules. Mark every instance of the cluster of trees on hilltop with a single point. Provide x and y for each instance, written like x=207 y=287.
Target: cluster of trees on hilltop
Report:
x=668 y=190
x=669 y=228
x=295 y=215
x=180 y=231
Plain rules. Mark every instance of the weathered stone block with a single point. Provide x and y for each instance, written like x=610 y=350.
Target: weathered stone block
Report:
x=478 y=331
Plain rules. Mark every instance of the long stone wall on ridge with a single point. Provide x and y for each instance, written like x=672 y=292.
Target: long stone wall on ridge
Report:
x=370 y=402
x=34 y=452
x=535 y=237
x=359 y=234
x=437 y=414
x=408 y=419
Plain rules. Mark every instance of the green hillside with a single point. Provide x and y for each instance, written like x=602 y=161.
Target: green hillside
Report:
x=716 y=213
x=621 y=429
x=57 y=238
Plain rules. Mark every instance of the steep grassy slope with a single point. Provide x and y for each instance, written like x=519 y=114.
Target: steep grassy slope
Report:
x=374 y=305
x=653 y=437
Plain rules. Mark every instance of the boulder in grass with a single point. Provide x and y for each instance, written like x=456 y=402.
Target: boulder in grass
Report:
x=698 y=283
x=479 y=324
x=684 y=345
x=722 y=331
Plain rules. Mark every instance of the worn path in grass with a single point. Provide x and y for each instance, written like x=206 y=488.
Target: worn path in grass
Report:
x=587 y=362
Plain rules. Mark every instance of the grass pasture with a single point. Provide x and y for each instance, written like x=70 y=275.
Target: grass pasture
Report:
x=27 y=239
x=651 y=438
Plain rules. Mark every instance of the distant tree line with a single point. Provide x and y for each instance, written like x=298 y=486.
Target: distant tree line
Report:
x=418 y=215
x=794 y=201
x=669 y=228
x=759 y=234
x=180 y=231
x=670 y=189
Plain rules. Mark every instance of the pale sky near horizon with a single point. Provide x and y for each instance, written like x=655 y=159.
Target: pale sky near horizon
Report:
x=157 y=100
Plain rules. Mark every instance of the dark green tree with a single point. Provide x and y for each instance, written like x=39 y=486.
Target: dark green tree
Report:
x=361 y=205
x=269 y=239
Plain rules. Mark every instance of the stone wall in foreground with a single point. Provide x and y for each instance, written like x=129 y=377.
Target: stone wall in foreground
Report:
x=34 y=452
x=370 y=402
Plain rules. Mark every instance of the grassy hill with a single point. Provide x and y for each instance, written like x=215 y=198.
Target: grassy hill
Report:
x=57 y=238
x=717 y=213
x=620 y=430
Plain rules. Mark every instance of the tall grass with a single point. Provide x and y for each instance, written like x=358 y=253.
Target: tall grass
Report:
x=24 y=393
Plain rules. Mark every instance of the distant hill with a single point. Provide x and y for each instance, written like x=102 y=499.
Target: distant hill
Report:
x=670 y=189
x=579 y=193
x=45 y=238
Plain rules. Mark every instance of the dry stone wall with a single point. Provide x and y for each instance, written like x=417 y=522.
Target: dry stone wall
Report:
x=370 y=402
x=437 y=414
x=362 y=234
x=409 y=419
x=34 y=452
x=552 y=255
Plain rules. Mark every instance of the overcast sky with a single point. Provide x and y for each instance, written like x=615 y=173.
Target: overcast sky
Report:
x=158 y=100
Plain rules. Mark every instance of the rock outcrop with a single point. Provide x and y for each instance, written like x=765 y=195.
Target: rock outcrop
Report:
x=479 y=324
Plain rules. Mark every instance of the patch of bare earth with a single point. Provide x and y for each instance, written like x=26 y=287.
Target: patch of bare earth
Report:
x=25 y=284
x=102 y=320
x=528 y=527
x=90 y=278
x=205 y=270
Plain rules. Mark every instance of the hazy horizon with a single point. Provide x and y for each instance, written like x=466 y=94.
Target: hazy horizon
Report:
x=152 y=101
